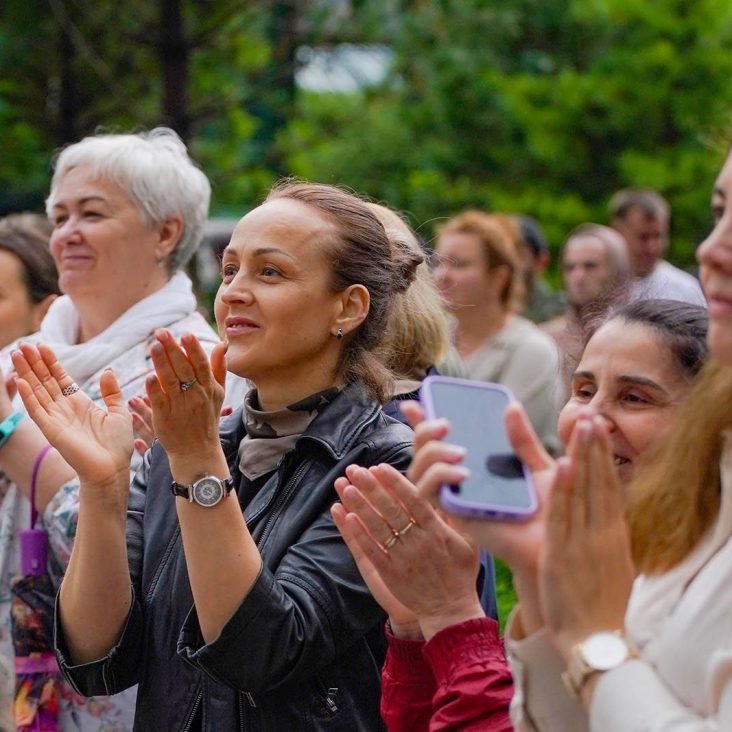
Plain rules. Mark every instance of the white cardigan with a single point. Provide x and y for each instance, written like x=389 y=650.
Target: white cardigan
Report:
x=681 y=622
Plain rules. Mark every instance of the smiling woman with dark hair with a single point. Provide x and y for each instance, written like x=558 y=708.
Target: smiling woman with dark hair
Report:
x=230 y=597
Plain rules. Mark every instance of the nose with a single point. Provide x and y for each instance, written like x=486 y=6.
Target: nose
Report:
x=236 y=291
x=67 y=231
x=599 y=407
x=716 y=250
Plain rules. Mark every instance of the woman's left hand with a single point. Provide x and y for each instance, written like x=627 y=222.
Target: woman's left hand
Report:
x=586 y=569
x=186 y=393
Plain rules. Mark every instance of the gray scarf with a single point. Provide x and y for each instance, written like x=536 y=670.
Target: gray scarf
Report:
x=270 y=435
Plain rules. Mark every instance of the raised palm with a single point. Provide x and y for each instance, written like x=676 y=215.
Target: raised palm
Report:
x=96 y=443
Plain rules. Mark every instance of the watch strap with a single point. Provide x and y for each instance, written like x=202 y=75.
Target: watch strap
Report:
x=182 y=490
x=579 y=671
x=8 y=425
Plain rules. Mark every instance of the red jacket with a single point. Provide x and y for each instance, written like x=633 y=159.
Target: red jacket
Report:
x=459 y=680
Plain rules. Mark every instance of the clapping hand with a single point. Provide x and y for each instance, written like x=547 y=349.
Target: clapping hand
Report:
x=186 y=393
x=419 y=569
x=586 y=569
x=96 y=443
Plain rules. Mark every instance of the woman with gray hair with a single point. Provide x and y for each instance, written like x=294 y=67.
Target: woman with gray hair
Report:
x=127 y=212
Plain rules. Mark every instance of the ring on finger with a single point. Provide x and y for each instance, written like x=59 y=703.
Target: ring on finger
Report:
x=186 y=385
x=401 y=532
x=389 y=543
x=72 y=388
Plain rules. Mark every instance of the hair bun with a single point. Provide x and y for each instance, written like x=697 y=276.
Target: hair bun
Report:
x=405 y=260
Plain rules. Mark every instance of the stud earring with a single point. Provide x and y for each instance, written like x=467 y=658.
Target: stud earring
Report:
x=339 y=333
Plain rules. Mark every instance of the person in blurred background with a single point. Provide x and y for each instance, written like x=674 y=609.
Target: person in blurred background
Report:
x=595 y=274
x=542 y=303
x=28 y=277
x=642 y=217
x=479 y=274
x=127 y=214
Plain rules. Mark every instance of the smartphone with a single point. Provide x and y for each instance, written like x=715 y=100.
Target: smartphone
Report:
x=499 y=485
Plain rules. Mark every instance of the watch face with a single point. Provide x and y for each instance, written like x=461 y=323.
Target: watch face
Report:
x=604 y=651
x=207 y=491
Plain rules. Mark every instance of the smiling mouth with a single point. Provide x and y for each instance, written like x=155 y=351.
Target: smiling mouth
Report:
x=617 y=460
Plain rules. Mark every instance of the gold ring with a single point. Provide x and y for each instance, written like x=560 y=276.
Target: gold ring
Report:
x=389 y=543
x=403 y=531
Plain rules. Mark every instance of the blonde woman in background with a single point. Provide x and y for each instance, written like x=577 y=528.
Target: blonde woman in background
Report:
x=479 y=274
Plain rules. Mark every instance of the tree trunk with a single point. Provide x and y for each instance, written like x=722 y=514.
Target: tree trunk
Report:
x=174 y=51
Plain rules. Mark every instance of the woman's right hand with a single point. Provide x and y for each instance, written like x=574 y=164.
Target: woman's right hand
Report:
x=96 y=443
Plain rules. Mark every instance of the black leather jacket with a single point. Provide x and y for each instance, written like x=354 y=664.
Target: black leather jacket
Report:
x=296 y=654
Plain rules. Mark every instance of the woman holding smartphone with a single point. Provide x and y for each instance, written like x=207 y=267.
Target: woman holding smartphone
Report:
x=222 y=586
x=637 y=384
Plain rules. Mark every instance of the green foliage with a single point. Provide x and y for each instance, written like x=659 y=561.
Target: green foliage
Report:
x=518 y=105
x=544 y=108
x=504 y=593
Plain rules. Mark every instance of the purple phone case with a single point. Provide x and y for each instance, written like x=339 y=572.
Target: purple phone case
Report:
x=448 y=498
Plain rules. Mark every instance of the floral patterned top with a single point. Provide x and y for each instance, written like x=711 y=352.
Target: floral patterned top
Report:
x=77 y=713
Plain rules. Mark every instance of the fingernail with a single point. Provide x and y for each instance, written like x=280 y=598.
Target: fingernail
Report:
x=463 y=472
x=585 y=432
x=456 y=450
x=157 y=349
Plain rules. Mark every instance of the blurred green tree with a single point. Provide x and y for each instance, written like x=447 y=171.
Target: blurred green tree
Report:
x=518 y=105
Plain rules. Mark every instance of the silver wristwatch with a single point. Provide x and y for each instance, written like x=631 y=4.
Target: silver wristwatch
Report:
x=206 y=491
x=602 y=651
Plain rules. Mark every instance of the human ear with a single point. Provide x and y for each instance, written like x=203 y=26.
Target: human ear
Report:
x=353 y=308
x=500 y=279
x=169 y=235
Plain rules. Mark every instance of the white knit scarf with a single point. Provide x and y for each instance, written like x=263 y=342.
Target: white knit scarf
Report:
x=60 y=327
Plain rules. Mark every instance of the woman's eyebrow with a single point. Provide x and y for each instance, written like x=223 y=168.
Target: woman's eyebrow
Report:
x=260 y=251
x=641 y=381
x=583 y=375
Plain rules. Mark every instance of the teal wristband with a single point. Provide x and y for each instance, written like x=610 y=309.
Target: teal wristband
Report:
x=7 y=427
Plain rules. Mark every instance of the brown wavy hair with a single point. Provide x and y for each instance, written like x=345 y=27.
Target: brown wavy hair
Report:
x=676 y=499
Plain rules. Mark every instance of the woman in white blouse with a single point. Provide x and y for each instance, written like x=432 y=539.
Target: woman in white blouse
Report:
x=628 y=625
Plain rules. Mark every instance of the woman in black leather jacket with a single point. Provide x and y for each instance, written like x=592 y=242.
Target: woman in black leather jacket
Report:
x=227 y=594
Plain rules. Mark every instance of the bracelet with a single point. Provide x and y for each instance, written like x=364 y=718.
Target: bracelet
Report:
x=7 y=427
x=34 y=477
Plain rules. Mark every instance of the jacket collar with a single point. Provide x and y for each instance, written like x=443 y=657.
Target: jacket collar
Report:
x=335 y=429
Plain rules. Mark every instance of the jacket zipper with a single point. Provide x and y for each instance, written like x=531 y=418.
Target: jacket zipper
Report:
x=192 y=715
x=330 y=699
x=252 y=704
x=281 y=500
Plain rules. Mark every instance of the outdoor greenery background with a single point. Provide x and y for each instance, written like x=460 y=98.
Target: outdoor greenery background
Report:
x=537 y=106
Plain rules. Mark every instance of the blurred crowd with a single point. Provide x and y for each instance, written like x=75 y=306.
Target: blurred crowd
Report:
x=239 y=525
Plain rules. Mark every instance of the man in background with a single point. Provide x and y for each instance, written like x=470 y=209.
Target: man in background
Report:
x=642 y=217
x=596 y=275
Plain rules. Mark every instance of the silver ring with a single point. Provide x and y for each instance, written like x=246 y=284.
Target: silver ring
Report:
x=186 y=385
x=403 y=531
x=389 y=543
x=72 y=388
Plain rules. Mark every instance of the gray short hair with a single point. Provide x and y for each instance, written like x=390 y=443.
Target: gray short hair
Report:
x=155 y=171
x=612 y=242
x=652 y=204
